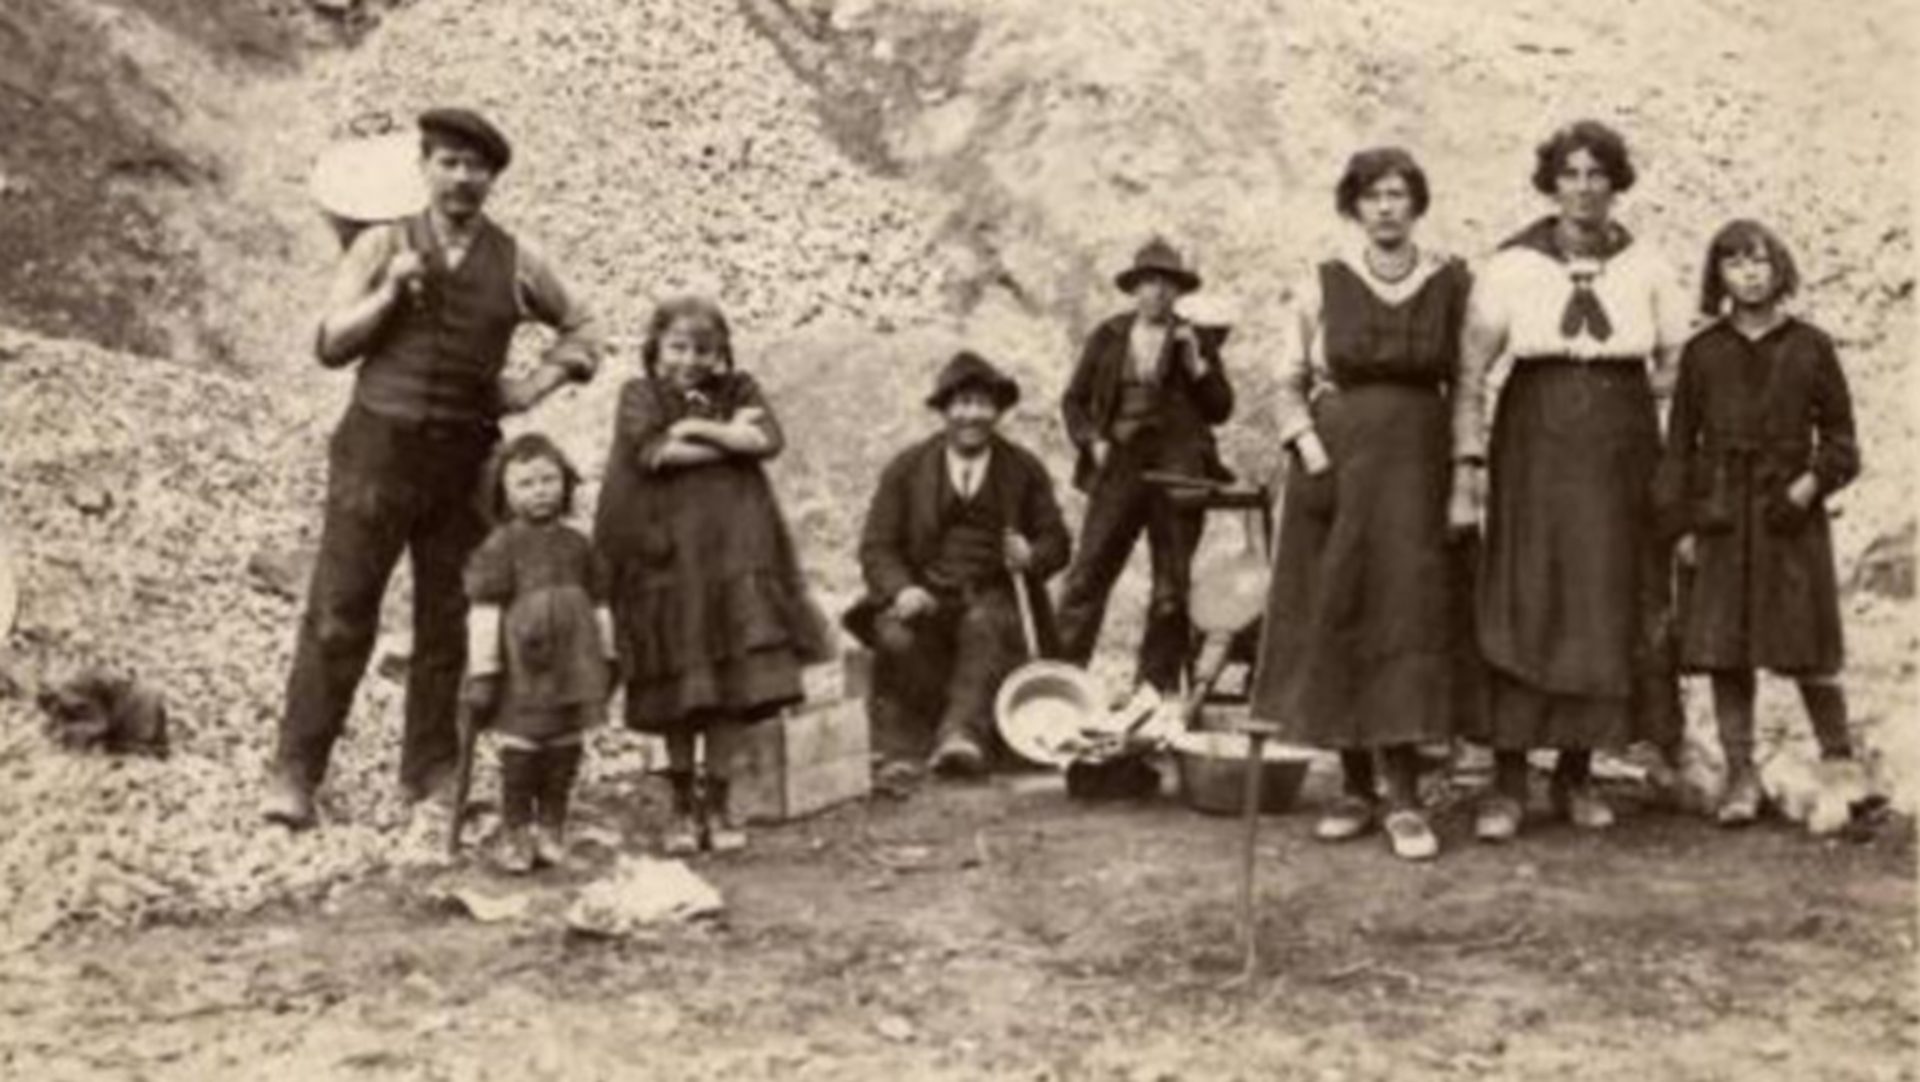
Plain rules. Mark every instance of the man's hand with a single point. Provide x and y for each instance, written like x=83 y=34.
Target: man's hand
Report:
x=913 y=602
x=1468 y=497
x=520 y=395
x=1098 y=450
x=1190 y=354
x=1313 y=453
x=407 y=271
x=1804 y=490
x=1687 y=551
x=1019 y=553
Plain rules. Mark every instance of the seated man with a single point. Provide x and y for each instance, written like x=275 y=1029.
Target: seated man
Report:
x=954 y=518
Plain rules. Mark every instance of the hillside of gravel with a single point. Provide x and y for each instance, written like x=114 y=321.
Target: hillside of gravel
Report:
x=864 y=186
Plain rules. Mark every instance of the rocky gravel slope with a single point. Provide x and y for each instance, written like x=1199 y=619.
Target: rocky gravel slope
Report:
x=863 y=186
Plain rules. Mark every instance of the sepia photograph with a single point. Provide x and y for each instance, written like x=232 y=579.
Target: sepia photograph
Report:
x=1040 y=540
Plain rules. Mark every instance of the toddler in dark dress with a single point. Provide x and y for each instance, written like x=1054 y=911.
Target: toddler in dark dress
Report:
x=540 y=645
x=1761 y=434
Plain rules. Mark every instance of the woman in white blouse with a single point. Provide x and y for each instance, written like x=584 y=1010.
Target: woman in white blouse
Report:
x=1572 y=603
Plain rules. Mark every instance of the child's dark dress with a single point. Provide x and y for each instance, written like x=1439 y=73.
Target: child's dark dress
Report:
x=547 y=581
x=709 y=606
x=1748 y=418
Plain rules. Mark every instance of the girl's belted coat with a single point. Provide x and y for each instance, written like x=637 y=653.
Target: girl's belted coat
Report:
x=1749 y=417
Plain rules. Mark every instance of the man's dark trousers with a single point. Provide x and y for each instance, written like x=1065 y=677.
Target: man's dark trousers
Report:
x=937 y=675
x=1120 y=506
x=393 y=486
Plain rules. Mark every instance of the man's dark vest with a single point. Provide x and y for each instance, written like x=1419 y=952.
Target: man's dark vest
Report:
x=971 y=550
x=439 y=356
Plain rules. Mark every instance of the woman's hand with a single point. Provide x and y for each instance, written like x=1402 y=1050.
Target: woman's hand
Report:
x=1468 y=498
x=1313 y=454
x=1804 y=490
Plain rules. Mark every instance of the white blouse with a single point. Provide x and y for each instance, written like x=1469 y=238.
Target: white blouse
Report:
x=1524 y=292
x=1520 y=297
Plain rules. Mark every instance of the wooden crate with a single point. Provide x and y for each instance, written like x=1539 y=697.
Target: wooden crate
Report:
x=807 y=760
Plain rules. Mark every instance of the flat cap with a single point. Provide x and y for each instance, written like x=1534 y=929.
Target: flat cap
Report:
x=469 y=127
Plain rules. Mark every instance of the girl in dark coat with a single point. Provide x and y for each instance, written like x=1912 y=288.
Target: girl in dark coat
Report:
x=1760 y=435
x=540 y=640
x=709 y=606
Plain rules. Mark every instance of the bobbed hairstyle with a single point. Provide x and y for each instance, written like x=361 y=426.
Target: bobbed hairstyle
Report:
x=1606 y=145
x=1370 y=167
x=675 y=309
x=1742 y=237
x=526 y=447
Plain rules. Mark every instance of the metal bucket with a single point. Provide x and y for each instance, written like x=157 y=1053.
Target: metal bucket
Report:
x=1213 y=770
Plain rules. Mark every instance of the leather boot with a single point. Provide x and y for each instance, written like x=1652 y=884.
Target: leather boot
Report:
x=559 y=767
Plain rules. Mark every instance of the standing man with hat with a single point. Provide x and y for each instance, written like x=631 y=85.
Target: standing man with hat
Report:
x=1147 y=392
x=955 y=517
x=428 y=306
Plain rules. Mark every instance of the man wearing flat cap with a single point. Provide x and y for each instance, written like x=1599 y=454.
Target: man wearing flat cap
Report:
x=955 y=517
x=1144 y=399
x=427 y=306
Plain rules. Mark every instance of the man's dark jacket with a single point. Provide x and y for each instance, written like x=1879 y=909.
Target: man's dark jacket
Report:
x=903 y=527
x=1189 y=408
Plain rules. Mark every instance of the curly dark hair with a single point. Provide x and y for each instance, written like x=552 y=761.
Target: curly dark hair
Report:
x=1370 y=167
x=1740 y=237
x=526 y=447
x=685 y=307
x=1607 y=146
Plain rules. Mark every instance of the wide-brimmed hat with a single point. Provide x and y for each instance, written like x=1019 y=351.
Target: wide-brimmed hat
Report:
x=968 y=369
x=469 y=127
x=1158 y=258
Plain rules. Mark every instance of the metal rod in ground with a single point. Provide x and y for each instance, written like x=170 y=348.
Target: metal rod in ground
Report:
x=1249 y=927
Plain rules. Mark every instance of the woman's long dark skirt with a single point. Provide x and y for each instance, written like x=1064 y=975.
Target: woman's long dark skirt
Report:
x=1358 y=644
x=1574 y=606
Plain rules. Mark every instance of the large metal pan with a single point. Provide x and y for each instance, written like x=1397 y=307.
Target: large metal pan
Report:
x=366 y=179
x=1044 y=709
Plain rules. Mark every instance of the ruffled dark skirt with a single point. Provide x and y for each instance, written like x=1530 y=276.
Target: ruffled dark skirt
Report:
x=710 y=609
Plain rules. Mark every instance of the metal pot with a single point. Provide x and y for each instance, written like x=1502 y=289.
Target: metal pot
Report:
x=1213 y=772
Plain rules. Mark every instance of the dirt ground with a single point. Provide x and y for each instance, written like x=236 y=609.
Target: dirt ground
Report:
x=1002 y=931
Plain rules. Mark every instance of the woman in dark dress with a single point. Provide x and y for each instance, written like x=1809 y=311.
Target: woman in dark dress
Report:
x=709 y=606
x=1358 y=650
x=1760 y=435
x=1573 y=604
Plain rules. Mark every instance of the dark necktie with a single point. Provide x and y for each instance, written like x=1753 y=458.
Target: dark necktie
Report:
x=1584 y=311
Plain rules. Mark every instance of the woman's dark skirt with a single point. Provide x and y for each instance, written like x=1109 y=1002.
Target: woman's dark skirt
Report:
x=1358 y=649
x=1574 y=605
